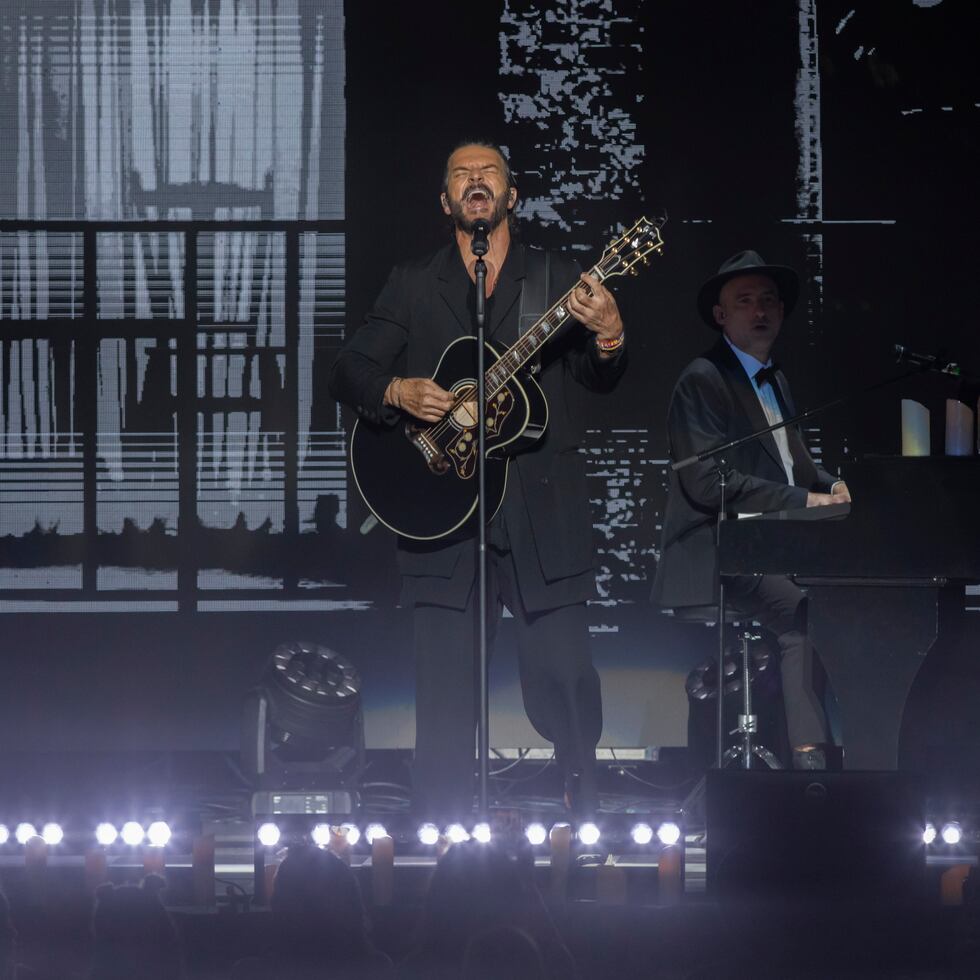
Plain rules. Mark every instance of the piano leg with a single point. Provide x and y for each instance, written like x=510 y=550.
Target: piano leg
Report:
x=872 y=639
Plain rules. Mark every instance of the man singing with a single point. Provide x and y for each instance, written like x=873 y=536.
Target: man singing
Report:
x=730 y=391
x=540 y=559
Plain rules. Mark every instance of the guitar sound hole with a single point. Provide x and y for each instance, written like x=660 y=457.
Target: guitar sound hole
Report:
x=465 y=415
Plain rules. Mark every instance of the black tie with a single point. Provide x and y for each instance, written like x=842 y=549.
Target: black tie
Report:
x=765 y=374
x=803 y=472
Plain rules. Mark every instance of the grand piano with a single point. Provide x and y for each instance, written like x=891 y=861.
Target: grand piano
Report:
x=874 y=571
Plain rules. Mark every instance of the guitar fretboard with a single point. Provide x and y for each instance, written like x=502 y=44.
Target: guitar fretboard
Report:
x=512 y=360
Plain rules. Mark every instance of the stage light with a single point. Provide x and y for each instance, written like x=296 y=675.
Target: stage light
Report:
x=668 y=833
x=642 y=834
x=52 y=834
x=320 y=835
x=303 y=726
x=374 y=831
x=132 y=833
x=351 y=833
x=536 y=834
x=158 y=834
x=482 y=833
x=428 y=834
x=24 y=832
x=268 y=835
x=106 y=834
x=952 y=832
x=589 y=834
x=456 y=833
x=4 y=834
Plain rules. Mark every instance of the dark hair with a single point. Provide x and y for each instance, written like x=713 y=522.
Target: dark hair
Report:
x=133 y=934
x=317 y=904
x=487 y=145
x=474 y=886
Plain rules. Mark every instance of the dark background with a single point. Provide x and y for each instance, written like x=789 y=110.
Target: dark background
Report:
x=717 y=123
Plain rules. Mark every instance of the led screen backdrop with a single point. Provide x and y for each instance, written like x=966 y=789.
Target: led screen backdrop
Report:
x=172 y=470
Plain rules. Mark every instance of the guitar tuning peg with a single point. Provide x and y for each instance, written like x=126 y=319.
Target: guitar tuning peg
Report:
x=634 y=271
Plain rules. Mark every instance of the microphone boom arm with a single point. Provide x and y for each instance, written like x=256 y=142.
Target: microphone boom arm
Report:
x=795 y=419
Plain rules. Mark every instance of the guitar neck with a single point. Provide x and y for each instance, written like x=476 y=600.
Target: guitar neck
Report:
x=515 y=357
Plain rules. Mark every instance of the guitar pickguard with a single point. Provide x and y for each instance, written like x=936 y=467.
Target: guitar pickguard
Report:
x=461 y=448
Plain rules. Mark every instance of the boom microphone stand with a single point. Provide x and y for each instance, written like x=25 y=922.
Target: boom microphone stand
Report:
x=480 y=246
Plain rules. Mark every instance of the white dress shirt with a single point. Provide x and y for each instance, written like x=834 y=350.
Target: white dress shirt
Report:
x=770 y=406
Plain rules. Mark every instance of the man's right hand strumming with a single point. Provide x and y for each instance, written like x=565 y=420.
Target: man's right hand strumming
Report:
x=420 y=397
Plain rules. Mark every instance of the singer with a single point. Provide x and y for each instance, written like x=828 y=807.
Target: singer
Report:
x=540 y=556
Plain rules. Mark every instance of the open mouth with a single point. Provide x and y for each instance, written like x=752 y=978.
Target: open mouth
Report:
x=477 y=196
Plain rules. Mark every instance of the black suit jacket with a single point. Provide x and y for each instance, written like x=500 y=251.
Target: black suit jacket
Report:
x=714 y=401
x=423 y=307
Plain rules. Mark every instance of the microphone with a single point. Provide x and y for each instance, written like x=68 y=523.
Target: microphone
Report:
x=479 y=244
x=928 y=362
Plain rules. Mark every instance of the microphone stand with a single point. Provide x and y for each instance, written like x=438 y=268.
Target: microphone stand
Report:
x=720 y=707
x=480 y=246
x=923 y=365
x=794 y=419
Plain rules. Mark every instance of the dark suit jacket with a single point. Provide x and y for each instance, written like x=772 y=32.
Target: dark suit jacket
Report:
x=423 y=307
x=714 y=401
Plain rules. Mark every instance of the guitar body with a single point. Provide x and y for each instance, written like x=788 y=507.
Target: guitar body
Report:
x=419 y=478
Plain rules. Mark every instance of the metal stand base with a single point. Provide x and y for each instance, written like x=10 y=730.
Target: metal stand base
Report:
x=748 y=723
x=759 y=751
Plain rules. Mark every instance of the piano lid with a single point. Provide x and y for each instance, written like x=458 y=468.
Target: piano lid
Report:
x=911 y=518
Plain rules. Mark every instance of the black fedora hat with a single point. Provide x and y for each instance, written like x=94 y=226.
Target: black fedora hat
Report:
x=747 y=263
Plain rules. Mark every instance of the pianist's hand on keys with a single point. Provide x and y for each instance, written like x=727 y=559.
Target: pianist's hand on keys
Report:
x=839 y=495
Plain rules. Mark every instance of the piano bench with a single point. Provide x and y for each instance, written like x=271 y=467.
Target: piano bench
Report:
x=708 y=615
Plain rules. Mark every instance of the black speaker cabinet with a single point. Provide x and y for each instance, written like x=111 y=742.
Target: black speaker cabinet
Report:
x=813 y=836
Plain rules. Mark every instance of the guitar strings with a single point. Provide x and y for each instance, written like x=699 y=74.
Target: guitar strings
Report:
x=439 y=428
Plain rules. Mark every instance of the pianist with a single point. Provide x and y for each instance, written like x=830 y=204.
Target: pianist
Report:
x=731 y=390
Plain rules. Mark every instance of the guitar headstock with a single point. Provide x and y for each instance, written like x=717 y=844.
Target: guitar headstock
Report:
x=636 y=245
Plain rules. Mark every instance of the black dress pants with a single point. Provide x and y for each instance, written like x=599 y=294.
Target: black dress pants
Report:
x=559 y=684
x=780 y=606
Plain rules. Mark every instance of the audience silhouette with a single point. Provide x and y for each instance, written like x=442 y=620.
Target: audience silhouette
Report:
x=133 y=935
x=319 y=925
x=480 y=889
x=8 y=940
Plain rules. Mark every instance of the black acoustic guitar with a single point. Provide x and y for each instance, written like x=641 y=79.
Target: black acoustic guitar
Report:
x=418 y=478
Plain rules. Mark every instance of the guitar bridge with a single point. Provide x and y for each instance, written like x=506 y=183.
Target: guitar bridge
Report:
x=433 y=456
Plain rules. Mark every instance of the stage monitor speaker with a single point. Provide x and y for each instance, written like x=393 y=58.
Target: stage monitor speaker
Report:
x=820 y=837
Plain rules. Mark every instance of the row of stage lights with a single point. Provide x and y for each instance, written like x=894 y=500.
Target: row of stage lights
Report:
x=269 y=834
x=132 y=834
x=950 y=833
x=158 y=833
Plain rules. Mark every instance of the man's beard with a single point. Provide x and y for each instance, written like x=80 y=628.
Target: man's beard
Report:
x=498 y=212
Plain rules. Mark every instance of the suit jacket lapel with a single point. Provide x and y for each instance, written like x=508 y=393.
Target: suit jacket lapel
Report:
x=506 y=293
x=454 y=286
x=746 y=395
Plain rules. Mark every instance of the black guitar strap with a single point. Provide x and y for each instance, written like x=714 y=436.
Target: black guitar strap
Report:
x=535 y=296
